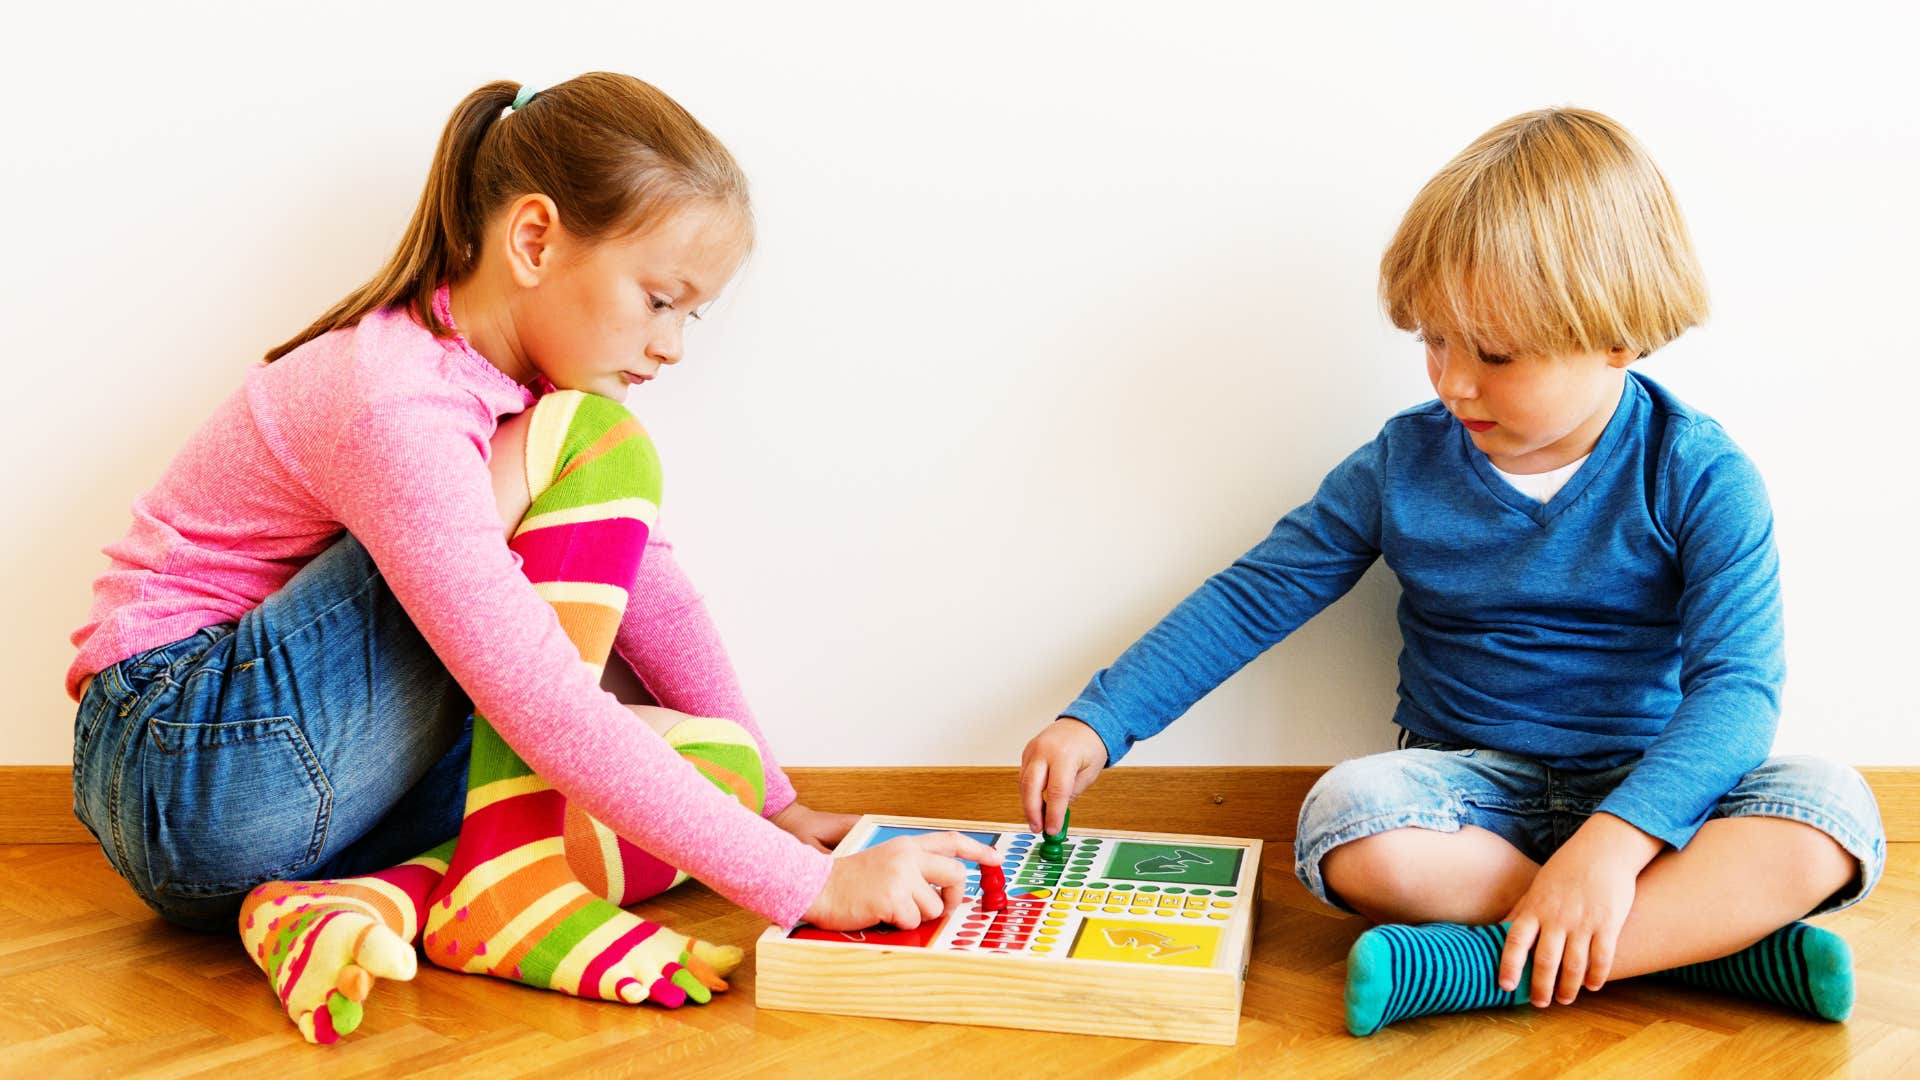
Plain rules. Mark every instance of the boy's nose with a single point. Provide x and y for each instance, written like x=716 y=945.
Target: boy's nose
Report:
x=1456 y=381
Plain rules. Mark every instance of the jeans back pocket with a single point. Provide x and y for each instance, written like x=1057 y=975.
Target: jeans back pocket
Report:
x=232 y=804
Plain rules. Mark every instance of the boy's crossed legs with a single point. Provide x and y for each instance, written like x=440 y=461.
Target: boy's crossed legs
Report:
x=1375 y=837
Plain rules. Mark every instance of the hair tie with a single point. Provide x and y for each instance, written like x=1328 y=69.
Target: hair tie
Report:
x=520 y=99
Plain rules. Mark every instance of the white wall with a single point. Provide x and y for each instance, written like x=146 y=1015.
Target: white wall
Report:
x=1054 y=312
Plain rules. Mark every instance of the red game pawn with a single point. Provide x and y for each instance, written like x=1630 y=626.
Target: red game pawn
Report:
x=993 y=888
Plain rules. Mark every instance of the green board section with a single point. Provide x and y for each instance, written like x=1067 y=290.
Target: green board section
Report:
x=1184 y=864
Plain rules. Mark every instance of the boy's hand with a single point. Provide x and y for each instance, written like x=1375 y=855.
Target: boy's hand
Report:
x=813 y=827
x=899 y=882
x=1057 y=765
x=1572 y=914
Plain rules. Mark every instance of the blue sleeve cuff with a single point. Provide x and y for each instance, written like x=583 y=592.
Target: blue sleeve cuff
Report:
x=1657 y=822
x=1110 y=730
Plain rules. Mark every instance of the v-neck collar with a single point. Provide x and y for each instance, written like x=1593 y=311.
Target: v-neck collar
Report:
x=1542 y=513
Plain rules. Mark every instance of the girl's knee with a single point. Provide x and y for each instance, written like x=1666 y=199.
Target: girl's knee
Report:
x=591 y=444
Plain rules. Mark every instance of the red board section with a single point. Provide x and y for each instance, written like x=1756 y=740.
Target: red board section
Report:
x=883 y=934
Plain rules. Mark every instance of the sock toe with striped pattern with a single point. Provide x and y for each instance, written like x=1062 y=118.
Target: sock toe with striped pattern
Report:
x=1802 y=967
x=1395 y=972
x=323 y=943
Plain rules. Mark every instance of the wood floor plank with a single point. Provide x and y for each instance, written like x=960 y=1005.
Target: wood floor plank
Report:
x=91 y=983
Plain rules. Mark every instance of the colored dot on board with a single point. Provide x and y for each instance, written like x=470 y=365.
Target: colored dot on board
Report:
x=1225 y=892
x=1175 y=889
x=1149 y=888
x=1202 y=892
x=1124 y=887
x=1098 y=885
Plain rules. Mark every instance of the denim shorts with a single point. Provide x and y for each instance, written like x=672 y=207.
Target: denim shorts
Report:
x=1430 y=785
x=319 y=736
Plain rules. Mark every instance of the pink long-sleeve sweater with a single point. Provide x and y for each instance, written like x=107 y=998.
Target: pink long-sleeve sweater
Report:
x=383 y=430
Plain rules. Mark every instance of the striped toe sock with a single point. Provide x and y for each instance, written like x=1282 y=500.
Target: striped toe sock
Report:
x=1802 y=967
x=322 y=943
x=1394 y=972
x=510 y=905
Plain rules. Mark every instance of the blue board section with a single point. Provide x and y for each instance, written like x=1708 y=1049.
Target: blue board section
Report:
x=883 y=833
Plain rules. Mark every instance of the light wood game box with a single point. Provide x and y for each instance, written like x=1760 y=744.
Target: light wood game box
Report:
x=1160 y=953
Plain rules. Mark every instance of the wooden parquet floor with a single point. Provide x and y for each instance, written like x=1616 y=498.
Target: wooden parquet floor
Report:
x=92 y=984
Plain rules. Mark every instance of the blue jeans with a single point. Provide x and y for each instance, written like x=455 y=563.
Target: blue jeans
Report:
x=1430 y=785
x=319 y=736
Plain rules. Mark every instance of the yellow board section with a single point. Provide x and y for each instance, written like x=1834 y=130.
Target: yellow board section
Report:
x=1140 y=942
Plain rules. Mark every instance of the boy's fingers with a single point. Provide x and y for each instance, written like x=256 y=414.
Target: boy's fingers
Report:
x=1059 y=794
x=1033 y=778
x=1573 y=969
x=1088 y=775
x=1514 y=958
x=1546 y=965
x=1600 y=962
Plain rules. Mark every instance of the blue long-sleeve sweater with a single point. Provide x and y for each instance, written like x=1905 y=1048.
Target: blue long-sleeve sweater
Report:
x=1634 y=615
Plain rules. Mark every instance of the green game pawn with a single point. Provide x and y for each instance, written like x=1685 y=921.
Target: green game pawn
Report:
x=1053 y=847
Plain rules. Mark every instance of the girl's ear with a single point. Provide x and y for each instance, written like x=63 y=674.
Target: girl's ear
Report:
x=532 y=233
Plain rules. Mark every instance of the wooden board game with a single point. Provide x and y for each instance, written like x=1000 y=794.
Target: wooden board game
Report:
x=1138 y=934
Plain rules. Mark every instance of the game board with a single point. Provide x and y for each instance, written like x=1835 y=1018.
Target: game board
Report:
x=1139 y=934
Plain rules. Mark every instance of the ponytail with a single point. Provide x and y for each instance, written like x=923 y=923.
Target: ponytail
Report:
x=612 y=151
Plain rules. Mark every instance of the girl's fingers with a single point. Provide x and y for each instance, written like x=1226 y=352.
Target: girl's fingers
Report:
x=1573 y=968
x=942 y=871
x=1546 y=965
x=928 y=898
x=955 y=846
x=905 y=910
x=1513 y=958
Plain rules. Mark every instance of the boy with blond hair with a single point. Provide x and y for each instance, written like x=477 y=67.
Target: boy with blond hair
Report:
x=1591 y=623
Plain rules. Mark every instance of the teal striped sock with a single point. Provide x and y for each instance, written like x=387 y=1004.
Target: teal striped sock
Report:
x=1394 y=972
x=1802 y=967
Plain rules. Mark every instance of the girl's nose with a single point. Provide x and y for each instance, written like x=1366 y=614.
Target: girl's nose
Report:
x=665 y=346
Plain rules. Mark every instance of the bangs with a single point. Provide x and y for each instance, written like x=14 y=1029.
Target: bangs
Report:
x=1551 y=233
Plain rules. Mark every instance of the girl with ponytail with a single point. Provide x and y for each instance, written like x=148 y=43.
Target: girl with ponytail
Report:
x=380 y=671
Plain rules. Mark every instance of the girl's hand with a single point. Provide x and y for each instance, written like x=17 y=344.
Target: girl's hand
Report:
x=1057 y=765
x=900 y=881
x=1572 y=914
x=821 y=830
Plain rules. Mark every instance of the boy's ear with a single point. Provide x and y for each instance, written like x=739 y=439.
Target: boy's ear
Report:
x=533 y=228
x=1620 y=356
